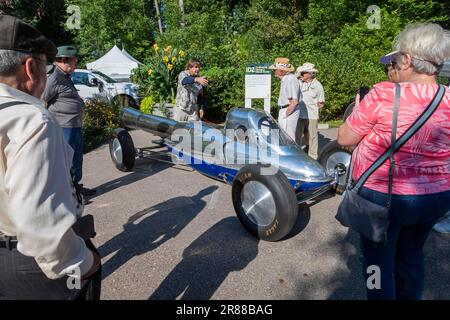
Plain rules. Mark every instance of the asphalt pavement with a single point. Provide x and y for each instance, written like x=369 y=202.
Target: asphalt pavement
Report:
x=167 y=232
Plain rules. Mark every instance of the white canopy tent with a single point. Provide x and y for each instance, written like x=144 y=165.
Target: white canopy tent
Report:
x=116 y=64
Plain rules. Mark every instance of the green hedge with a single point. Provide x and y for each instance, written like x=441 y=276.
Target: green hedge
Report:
x=100 y=119
x=226 y=89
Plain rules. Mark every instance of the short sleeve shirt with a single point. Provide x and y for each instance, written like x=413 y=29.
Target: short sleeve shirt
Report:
x=289 y=90
x=312 y=94
x=422 y=165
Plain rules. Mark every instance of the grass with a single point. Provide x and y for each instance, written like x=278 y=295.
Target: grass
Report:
x=335 y=123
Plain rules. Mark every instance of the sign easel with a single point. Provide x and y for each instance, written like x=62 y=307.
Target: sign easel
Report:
x=258 y=84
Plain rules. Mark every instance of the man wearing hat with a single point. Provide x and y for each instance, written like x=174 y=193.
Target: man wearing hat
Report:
x=64 y=102
x=38 y=203
x=313 y=100
x=290 y=96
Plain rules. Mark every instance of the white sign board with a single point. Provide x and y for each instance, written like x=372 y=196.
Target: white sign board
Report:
x=258 y=85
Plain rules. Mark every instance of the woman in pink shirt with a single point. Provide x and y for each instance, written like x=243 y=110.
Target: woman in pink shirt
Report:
x=421 y=183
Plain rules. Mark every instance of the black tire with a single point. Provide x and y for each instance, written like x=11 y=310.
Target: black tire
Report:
x=332 y=155
x=121 y=150
x=349 y=110
x=276 y=215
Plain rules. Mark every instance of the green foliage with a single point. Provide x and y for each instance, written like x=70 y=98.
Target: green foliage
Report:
x=351 y=61
x=147 y=105
x=104 y=23
x=48 y=16
x=224 y=91
x=227 y=35
x=158 y=78
x=100 y=119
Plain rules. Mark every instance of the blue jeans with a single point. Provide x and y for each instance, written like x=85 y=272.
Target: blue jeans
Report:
x=74 y=137
x=400 y=259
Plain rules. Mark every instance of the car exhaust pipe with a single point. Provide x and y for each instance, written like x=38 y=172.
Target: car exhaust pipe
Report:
x=160 y=126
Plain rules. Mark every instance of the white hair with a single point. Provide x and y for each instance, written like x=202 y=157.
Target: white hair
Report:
x=10 y=61
x=428 y=45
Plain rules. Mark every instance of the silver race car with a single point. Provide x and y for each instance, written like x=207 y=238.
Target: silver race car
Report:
x=269 y=173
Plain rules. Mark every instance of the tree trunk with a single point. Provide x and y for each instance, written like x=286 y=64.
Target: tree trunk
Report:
x=182 y=21
x=158 y=16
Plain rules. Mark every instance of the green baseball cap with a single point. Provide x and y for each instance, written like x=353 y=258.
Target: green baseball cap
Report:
x=67 y=52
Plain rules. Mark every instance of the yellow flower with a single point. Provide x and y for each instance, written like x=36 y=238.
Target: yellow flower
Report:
x=170 y=66
x=182 y=53
x=166 y=59
x=155 y=47
x=150 y=71
x=168 y=49
x=174 y=59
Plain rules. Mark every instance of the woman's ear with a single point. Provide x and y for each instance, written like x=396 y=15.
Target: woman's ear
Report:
x=407 y=62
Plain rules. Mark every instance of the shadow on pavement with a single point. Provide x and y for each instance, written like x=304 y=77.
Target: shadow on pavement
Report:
x=347 y=281
x=304 y=215
x=150 y=228
x=208 y=260
x=142 y=169
x=349 y=285
x=327 y=195
x=437 y=267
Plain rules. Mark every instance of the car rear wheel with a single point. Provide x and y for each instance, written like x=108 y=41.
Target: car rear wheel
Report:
x=265 y=204
x=335 y=157
x=121 y=149
x=349 y=110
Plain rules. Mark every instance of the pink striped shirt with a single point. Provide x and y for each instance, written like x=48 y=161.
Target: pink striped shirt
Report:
x=423 y=163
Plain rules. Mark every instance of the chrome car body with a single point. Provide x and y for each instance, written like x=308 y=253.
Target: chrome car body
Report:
x=249 y=137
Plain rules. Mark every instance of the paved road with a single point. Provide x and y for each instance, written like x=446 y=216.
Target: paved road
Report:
x=165 y=232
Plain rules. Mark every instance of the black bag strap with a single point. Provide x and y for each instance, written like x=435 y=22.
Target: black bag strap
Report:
x=420 y=121
x=393 y=138
x=11 y=104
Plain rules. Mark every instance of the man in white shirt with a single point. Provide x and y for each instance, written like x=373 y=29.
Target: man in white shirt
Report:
x=38 y=202
x=313 y=99
x=290 y=96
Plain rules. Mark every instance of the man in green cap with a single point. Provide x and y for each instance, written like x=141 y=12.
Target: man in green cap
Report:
x=64 y=102
x=40 y=254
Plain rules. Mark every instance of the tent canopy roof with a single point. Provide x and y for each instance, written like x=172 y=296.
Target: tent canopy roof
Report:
x=115 y=61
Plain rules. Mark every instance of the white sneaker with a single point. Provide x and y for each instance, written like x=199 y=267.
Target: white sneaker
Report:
x=443 y=226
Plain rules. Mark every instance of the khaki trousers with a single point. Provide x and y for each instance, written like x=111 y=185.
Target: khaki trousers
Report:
x=307 y=134
x=288 y=124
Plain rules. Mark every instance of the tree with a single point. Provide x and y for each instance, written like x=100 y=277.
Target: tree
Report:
x=182 y=22
x=158 y=16
x=48 y=16
x=105 y=23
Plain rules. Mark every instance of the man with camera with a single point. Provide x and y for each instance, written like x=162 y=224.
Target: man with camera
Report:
x=41 y=256
x=66 y=105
